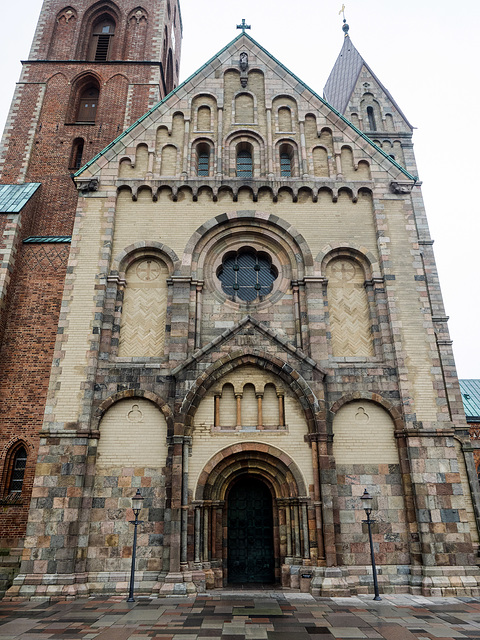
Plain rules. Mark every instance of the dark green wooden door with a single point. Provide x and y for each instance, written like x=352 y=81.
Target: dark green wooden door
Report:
x=250 y=533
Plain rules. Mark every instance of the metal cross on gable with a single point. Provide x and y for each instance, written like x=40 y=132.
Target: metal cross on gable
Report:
x=243 y=26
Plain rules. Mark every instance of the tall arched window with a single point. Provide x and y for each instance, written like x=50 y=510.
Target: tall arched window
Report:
x=16 y=470
x=101 y=39
x=203 y=160
x=87 y=107
x=244 y=163
x=286 y=161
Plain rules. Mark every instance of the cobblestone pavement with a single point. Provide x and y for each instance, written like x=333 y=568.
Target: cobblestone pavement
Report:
x=237 y=615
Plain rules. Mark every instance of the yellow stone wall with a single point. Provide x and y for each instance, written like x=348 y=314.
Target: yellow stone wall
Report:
x=133 y=432
x=363 y=434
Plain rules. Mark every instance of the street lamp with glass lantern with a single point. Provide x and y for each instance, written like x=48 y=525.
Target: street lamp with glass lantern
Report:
x=137 y=502
x=366 y=497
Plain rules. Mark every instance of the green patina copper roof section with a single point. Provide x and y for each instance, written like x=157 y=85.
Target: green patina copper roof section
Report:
x=471 y=399
x=13 y=197
x=305 y=86
x=47 y=239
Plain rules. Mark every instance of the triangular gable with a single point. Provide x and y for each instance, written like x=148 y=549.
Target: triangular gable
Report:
x=301 y=86
x=228 y=334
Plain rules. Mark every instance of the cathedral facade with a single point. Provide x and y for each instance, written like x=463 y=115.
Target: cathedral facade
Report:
x=246 y=326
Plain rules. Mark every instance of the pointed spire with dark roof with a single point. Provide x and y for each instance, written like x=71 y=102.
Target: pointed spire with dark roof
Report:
x=344 y=76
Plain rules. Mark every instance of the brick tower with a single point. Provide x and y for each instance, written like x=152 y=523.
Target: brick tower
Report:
x=93 y=70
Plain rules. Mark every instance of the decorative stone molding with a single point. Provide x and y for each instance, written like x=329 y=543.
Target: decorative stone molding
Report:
x=87 y=185
x=401 y=187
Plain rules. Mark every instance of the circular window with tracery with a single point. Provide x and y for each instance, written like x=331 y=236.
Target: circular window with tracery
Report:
x=247 y=274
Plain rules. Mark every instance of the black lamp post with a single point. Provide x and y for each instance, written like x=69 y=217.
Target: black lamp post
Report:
x=368 y=510
x=137 y=501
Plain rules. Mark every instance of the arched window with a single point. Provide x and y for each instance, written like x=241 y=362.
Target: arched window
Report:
x=203 y=160
x=244 y=163
x=371 y=119
x=101 y=39
x=16 y=470
x=87 y=107
x=247 y=274
x=285 y=162
x=77 y=154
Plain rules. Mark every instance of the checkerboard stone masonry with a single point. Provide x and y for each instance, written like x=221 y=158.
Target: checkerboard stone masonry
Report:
x=339 y=379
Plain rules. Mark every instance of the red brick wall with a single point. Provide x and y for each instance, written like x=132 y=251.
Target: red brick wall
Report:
x=38 y=149
x=26 y=356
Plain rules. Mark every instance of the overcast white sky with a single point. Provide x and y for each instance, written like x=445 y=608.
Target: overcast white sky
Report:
x=424 y=51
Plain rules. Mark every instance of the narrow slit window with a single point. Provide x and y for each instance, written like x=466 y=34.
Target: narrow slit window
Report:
x=371 y=119
x=244 y=164
x=77 y=154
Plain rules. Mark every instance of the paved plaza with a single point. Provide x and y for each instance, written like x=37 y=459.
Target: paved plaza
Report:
x=253 y=615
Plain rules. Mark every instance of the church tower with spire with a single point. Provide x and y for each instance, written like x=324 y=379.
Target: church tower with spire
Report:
x=251 y=333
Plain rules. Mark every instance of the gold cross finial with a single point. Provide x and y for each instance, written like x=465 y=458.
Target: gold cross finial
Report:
x=342 y=10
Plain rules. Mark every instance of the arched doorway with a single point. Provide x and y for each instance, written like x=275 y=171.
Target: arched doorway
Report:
x=250 y=546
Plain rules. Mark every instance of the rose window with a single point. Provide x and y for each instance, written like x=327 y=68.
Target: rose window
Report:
x=247 y=274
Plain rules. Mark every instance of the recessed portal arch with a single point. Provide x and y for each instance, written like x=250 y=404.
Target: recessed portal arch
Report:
x=234 y=486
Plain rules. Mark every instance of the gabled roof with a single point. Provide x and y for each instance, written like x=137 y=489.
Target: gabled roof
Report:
x=471 y=399
x=344 y=76
x=13 y=197
x=301 y=86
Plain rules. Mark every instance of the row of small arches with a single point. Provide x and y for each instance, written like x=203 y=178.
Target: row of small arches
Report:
x=244 y=158
x=249 y=407
x=304 y=193
x=369 y=117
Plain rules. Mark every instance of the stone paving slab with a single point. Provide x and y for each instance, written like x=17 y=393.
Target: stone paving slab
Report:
x=250 y=615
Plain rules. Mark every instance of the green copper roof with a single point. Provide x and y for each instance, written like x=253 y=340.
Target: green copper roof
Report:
x=316 y=95
x=471 y=399
x=13 y=197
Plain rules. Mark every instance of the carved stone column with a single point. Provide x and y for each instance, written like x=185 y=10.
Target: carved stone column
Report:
x=259 y=411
